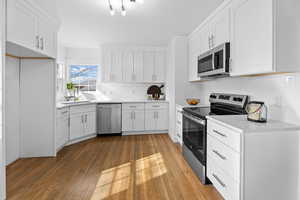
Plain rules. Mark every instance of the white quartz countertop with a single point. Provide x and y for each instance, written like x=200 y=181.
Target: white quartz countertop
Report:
x=61 y=105
x=241 y=124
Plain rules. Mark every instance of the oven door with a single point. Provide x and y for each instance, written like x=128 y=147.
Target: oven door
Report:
x=194 y=136
x=205 y=64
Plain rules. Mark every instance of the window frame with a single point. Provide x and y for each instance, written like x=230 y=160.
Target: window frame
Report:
x=68 y=78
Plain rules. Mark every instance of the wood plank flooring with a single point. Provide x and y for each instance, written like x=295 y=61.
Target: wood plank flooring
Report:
x=148 y=167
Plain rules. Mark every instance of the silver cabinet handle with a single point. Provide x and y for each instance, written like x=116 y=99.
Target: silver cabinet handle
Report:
x=37 y=45
x=131 y=115
x=42 y=43
x=82 y=121
x=219 y=180
x=132 y=106
x=85 y=118
x=220 y=155
x=221 y=134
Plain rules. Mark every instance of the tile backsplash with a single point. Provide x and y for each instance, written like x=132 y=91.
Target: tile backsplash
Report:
x=128 y=91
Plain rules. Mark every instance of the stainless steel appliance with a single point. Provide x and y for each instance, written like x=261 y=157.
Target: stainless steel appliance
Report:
x=257 y=111
x=195 y=132
x=215 y=63
x=109 y=119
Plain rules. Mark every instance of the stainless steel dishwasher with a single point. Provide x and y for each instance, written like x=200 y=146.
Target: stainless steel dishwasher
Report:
x=109 y=119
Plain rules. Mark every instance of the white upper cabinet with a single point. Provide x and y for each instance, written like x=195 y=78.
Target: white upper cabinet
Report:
x=221 y=27
x=134 y=65
x=252 y=38
x=30 y=27
x=149 y=66
x=22 y=24
x=128 y=66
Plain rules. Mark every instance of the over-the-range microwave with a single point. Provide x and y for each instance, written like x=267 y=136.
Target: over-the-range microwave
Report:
x=215 y=63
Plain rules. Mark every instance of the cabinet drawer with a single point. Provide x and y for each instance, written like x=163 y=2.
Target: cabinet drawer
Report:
x=82 y=108
x=224 y=134
x=133 y=106
x=226 y=186
x=225 y=157
x=154 y=106
x=62 y=113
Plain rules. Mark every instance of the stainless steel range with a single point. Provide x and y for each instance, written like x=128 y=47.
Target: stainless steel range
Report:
x=194 y=128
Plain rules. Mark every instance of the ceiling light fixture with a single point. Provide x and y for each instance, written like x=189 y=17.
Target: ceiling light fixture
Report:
x=117 y=6
x=123 y=12
x=111 y=9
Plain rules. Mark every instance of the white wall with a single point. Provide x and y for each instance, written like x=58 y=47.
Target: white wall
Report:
x=12 y=109
x=178 y=87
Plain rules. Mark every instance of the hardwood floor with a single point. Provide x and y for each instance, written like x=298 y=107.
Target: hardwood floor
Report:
x=111 y=168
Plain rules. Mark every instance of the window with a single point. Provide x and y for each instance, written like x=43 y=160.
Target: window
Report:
x=84 y=77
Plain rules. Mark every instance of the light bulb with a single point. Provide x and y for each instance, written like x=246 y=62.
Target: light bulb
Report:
x=112 y=12
x=123 y=12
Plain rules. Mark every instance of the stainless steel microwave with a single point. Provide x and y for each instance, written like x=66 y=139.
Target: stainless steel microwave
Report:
x=215 y=63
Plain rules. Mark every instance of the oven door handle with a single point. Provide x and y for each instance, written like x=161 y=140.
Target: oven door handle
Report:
x=197 y=120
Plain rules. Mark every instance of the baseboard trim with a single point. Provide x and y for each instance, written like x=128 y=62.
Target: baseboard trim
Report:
x=144 y=132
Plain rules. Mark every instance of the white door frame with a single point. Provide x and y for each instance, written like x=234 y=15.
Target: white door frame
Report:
x=2 y=124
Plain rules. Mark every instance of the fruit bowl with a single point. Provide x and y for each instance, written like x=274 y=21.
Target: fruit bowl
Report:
x=193 y=101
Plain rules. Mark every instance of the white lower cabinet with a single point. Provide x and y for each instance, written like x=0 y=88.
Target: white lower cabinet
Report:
x=247 y=161
x=62 y=128
x=82 y=121
x=156 y=119
x=133 y=117
x=144 y=117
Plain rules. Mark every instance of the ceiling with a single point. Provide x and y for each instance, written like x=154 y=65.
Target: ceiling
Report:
x=87 y=23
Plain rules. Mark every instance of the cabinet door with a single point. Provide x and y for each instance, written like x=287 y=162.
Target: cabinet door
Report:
x=90 y=123
x=139 y=120
x=127 y=120
x=160 y=66
x=193 y=66
x=106 y=63
x=205 y=35
x=252 y=37
x=21 y=24
x=148 y=63
x=65 y=132
x=221 y=27
x=128 y=66
x=116 y=72
x=59 y=132
x=47 y=36
x=138 y=67
x=150 y=120
x=162 y=122
x=76 y=126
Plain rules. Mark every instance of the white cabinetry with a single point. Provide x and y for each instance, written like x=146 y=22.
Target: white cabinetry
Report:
x=62 y=127
x=243 y=158
x=129 y=64
x=179 y=124
x=133 y=117
x=30 y=27
x=82 y=121
x=263 y=37
x=156 y=117
x=214 y=31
